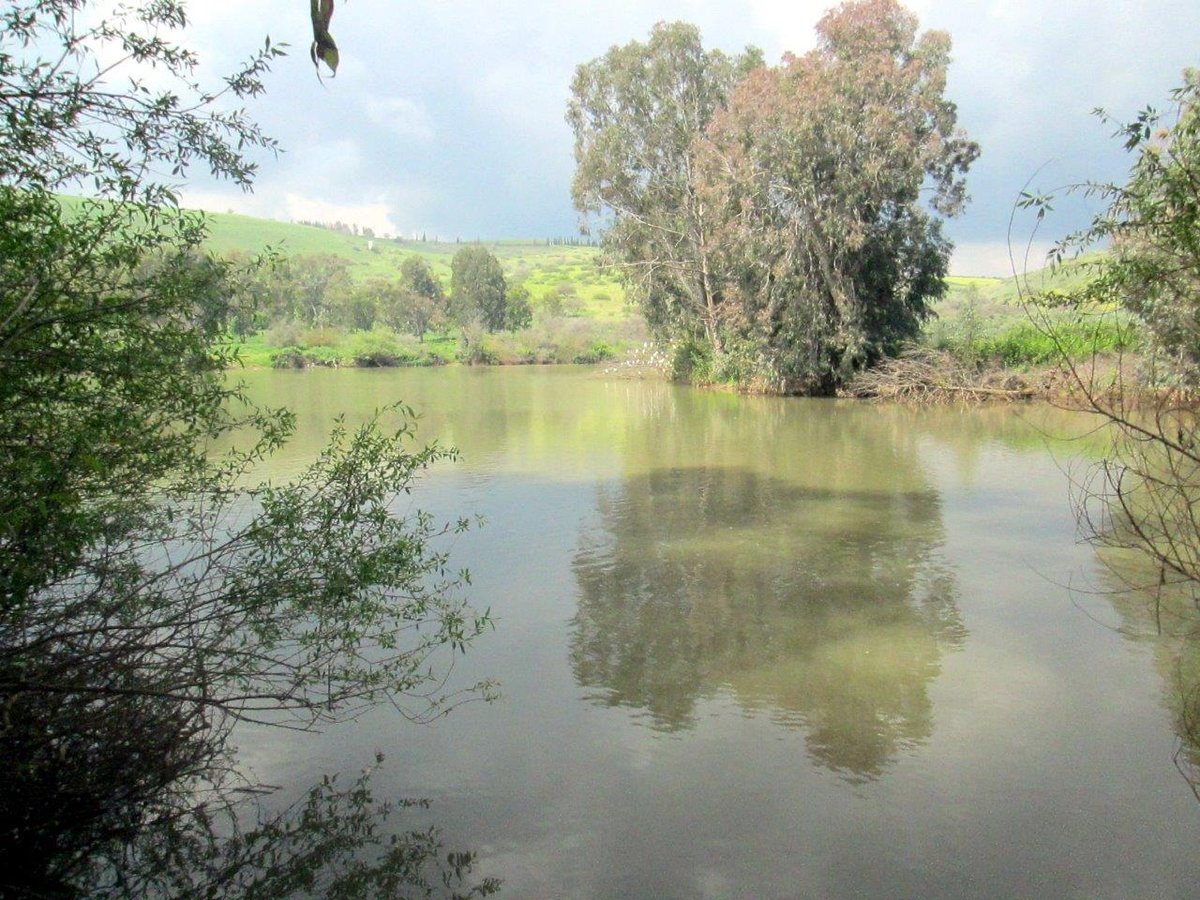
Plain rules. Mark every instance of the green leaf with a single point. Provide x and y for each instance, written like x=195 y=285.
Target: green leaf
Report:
x=323 y=47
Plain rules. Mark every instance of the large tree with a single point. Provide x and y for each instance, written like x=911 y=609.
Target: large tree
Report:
x=152 y=595
x=769 y=219
x=818 y=167
x=478 y=291
x=638 y=113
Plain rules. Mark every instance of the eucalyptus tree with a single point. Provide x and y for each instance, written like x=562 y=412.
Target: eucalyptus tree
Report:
x=423 y=303
x=152 y=593
x=638 y=113
x=819 y=167
x=518 y=312
x=478 y=290
x=769 y=219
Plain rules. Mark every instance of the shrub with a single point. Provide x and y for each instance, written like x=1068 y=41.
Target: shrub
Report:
x=692 y=361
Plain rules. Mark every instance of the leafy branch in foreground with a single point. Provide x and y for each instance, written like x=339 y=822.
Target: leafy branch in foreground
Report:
x=330 y=843
x=1141 y=503
x=66 y=124
x=151 y=593
x=1144 y=496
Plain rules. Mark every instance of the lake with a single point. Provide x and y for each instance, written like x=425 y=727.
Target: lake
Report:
x=768 y=647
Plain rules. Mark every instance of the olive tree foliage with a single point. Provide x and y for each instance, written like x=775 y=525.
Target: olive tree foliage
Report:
x=820 y=168
x=638 y=113
x=772 y=216
x=1145 y=495
x=152 y=593
x=1153 y=226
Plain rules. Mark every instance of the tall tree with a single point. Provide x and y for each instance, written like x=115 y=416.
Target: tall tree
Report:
x=818 y=167
x=320 y=286
x=768 y=219
x=478 y=291
x=638 y=113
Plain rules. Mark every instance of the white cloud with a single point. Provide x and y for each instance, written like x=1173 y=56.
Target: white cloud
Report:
x=479 y=88
x=789 y=26
x=377 y=215
x=997 y=258
x=401 y=116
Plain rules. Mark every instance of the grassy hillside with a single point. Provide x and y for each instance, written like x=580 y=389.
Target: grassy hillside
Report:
x=1001 y=298
x=1069 y=276
x=982 y=316
x=573 y=272
x=985 y=317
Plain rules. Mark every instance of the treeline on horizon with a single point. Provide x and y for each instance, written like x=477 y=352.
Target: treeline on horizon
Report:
x=352 y=229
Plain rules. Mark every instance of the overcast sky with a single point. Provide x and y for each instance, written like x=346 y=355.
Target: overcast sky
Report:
x=446 y=116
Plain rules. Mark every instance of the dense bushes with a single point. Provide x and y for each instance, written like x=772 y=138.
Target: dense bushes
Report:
x=551 y=340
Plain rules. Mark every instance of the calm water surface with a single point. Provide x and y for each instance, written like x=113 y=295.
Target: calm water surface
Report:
x=760 y=647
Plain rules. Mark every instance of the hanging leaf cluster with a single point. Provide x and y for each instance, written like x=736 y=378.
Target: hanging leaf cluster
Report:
x=323 y=49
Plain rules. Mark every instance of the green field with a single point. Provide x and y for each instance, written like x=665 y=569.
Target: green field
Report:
x=980 y=316
x=1010 y=291
x=573 y=272
x=987 y=318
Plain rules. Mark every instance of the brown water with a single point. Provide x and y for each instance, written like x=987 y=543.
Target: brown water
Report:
x=759 y=647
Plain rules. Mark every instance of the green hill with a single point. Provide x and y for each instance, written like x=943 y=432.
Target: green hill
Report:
x=999 y=299
x=573 y=271
x=1070 y=276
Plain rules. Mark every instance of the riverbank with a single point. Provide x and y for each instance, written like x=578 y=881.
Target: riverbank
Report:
x=925 y=376
x=971 y=358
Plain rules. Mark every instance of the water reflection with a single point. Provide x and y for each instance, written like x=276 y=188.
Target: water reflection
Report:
x=826 y=610
x=1165 y=617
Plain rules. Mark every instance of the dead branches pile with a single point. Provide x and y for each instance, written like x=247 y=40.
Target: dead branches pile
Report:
x=922 y=375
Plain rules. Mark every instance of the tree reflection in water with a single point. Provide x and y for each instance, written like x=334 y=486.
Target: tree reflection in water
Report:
x=826 y=610
x=1167 y=616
